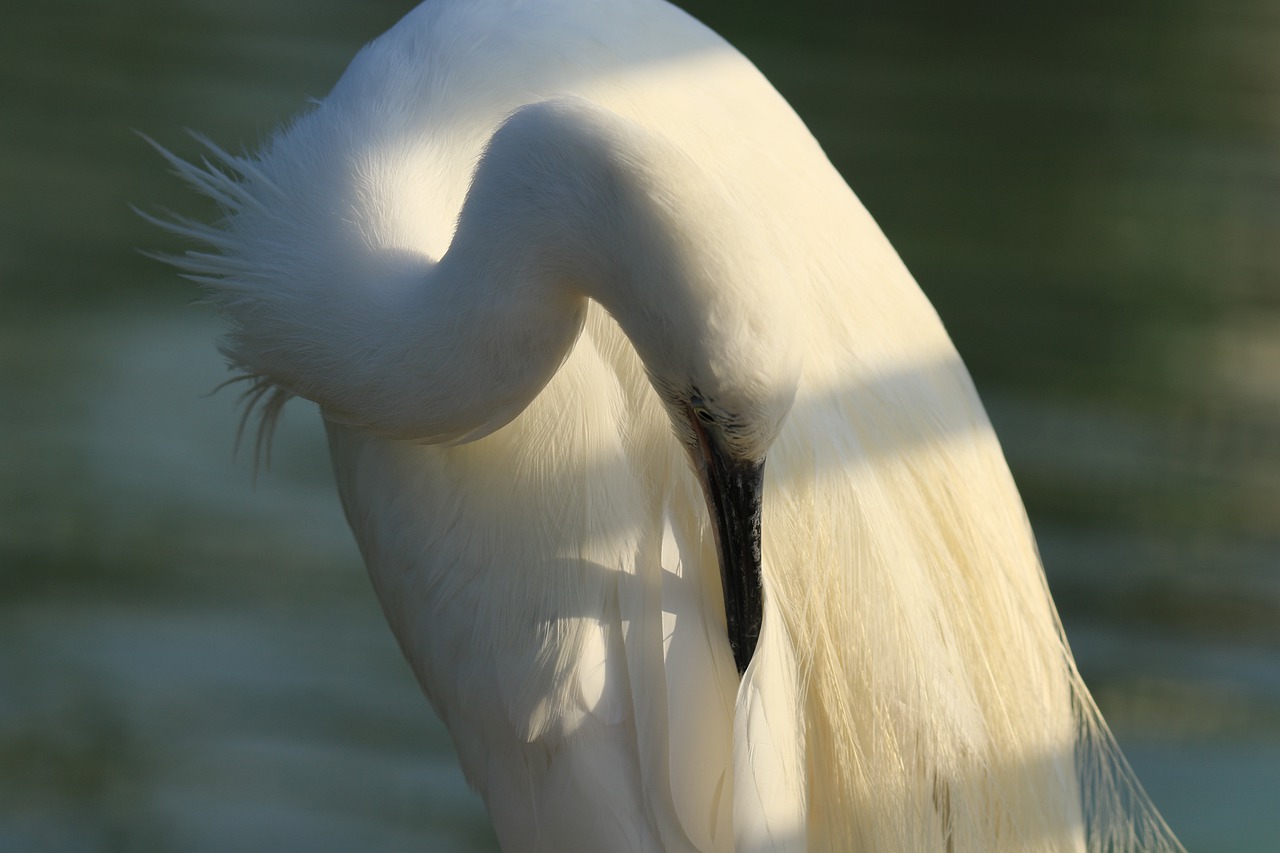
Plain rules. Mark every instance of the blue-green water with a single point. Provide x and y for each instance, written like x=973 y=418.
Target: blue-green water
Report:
x=190 y=660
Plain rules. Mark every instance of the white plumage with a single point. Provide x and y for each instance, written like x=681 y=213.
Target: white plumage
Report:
x=541 y=263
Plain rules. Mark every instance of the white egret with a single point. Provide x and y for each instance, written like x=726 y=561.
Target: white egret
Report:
x=561 y=276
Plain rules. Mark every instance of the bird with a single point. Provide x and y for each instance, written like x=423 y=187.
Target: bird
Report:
x=670 y=482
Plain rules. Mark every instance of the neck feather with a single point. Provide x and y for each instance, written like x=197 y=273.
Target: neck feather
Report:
x=569 y=203
x=580 y=203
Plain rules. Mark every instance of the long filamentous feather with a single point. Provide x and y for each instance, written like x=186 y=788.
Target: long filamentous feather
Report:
x=217 y=272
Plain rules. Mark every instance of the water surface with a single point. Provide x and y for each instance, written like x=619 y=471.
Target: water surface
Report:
x=192 y=660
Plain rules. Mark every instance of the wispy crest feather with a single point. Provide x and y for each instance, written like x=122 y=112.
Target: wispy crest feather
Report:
x=224 y=180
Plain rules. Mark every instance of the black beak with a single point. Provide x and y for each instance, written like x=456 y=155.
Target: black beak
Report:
x=733 y=489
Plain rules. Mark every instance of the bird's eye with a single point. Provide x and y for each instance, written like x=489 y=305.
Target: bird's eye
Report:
x=698 y=406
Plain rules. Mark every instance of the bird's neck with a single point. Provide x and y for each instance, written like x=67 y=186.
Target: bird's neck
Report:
x=568 y=203
x=573 y=202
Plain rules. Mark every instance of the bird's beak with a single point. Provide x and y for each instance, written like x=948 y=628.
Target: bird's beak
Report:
x=733 y=489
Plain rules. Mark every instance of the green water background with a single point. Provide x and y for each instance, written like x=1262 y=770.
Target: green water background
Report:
x=1090 y=195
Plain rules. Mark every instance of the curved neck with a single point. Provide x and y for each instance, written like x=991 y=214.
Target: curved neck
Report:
x=570 y=199
x=569 y=203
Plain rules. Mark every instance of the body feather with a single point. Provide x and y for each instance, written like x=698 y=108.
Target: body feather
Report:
x=550 y=572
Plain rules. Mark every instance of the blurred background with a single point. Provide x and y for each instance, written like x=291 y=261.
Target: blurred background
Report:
x=193 y=660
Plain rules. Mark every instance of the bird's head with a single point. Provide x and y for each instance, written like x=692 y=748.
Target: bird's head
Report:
x=727 y=398
x=686 y=262
x=702 y=291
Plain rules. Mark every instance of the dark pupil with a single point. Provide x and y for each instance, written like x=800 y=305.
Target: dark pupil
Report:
x=704 y=416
